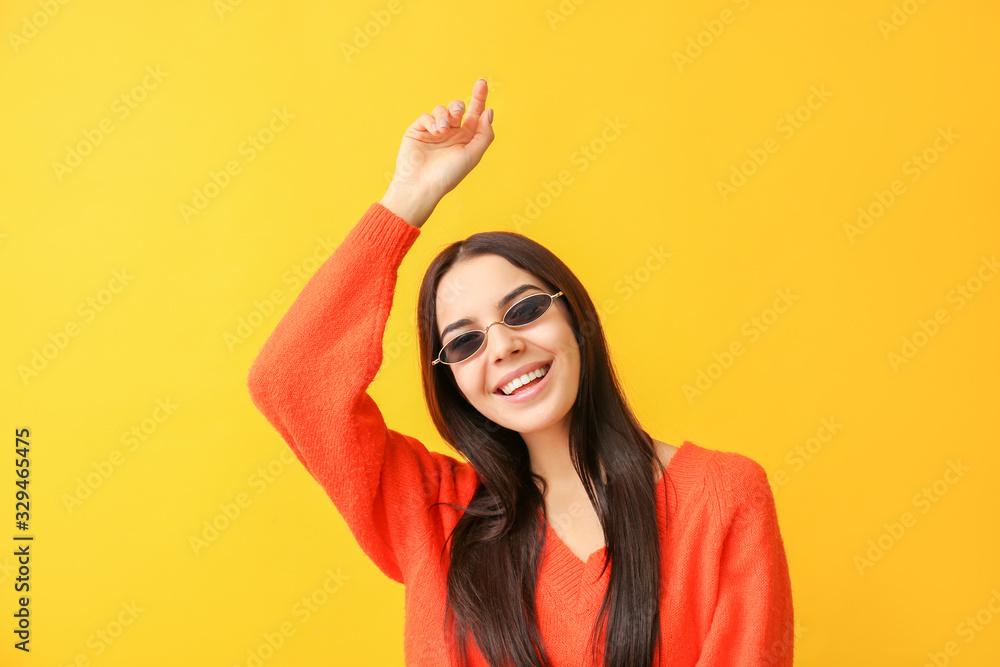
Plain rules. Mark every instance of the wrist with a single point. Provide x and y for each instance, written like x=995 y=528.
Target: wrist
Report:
x=413 y=206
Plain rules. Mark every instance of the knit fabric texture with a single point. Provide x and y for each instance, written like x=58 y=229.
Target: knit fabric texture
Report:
x=726 y=596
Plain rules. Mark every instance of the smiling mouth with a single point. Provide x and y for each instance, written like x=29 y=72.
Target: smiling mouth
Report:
x=524 y=382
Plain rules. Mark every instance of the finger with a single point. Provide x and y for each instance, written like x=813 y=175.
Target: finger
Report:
x=442 y=118
x=481 y=141
x=424 y=122
x=453 y=115
x=477 y=104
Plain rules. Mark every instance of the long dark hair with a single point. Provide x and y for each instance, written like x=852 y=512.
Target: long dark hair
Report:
x=496 y=545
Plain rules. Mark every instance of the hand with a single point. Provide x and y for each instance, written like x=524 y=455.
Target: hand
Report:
x=438 y=151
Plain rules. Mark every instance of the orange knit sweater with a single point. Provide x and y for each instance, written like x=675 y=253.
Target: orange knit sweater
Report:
x=726 y=597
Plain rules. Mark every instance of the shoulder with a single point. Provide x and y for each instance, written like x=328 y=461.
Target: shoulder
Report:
x=744 y=496
x=739 y=478
x=726 y=481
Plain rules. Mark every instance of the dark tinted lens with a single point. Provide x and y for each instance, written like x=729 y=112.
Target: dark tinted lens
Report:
x=528 y=310
x=462 y=347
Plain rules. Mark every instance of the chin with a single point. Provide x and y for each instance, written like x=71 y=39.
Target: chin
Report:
x=531 y=421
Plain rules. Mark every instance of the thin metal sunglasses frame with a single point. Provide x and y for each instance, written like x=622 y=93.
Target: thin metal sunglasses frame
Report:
x=486 y=331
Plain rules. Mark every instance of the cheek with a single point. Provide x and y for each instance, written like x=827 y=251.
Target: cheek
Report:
x=570 y=350
x=471 y=385
x=566 y=342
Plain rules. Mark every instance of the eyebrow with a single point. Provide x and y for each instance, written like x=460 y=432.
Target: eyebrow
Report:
x=500 y=304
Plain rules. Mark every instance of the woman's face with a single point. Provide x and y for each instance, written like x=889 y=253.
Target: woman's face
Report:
x=472 y=289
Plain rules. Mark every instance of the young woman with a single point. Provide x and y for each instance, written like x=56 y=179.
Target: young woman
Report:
x=568 y=536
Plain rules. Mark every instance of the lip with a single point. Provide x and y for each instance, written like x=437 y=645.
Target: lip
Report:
x=527 y=394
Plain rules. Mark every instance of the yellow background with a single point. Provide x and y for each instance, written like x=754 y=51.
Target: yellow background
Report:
x=558 y=74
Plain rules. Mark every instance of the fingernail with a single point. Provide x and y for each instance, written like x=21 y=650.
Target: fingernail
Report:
x=491 y=116
x=433 y=126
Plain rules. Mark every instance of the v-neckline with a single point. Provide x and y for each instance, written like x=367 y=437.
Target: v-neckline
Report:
x=551 y=533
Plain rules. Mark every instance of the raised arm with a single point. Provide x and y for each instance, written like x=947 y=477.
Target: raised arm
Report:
x=311 y=377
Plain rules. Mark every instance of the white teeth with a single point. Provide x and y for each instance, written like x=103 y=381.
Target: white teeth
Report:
x=524 y=379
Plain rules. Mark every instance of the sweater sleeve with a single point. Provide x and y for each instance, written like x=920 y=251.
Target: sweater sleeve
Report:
x=310 y=381
x=753 y=622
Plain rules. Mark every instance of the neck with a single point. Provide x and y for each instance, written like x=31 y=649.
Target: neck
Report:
x=548 y=450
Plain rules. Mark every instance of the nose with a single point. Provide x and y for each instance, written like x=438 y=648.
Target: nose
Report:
x=501 y=341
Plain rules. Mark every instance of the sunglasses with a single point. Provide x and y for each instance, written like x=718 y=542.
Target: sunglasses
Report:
x=521 y=313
